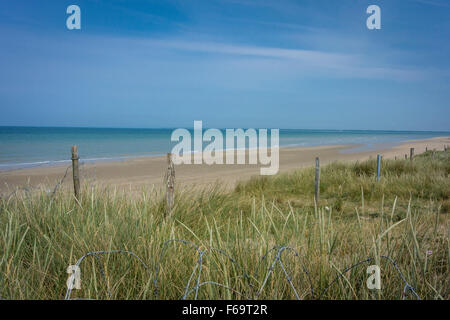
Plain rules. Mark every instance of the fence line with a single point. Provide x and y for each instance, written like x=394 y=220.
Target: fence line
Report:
x=170 y=177
x=50 y=191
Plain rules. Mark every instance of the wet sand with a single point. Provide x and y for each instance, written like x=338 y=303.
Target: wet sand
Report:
x=133 y=174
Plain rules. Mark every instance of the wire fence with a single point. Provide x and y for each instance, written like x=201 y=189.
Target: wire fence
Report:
x=256 y=291
x=89 y=174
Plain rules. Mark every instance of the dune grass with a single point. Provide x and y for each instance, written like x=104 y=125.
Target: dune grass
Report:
x=404 y=216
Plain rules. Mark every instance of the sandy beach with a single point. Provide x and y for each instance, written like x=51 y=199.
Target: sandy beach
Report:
x=133 y=174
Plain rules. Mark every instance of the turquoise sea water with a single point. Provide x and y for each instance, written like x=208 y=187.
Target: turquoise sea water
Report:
x=22 y=147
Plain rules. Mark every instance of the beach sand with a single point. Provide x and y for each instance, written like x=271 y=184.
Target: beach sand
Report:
x=133 y=174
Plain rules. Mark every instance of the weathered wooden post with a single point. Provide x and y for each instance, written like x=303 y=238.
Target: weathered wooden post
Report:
x=426 y=149
x=411 y=154
x=406 y=156
x=170 y=177
x=76 y=175
x=317 y=182
x=378 y=167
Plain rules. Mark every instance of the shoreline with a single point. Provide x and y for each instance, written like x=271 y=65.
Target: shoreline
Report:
x=136 y=172
x=64 y=162
x=352 y=147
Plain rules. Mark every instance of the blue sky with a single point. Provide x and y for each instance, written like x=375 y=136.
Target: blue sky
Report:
x=309 y=64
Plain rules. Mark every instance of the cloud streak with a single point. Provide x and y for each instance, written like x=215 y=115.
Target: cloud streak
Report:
x=275 y=60
x=322 y=62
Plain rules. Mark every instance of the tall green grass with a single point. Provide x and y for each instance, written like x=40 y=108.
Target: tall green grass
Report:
x=403 y=216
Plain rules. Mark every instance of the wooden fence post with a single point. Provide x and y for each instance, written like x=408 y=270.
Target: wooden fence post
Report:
x=411 y=154
x=170 y=177
x=76 y=175
x=378 y=167
x=406 y=156
x=317 y=182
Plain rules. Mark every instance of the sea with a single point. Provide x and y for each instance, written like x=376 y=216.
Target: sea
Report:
x=29 y=147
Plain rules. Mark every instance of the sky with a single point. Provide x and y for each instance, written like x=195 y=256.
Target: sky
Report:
x=304 y=64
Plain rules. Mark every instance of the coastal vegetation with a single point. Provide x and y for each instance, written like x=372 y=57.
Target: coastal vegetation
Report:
x=266 y=239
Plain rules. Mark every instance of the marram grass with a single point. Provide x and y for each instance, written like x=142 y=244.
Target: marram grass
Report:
x=404 y=216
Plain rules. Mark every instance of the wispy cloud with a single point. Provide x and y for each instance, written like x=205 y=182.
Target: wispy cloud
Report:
x=319 y=62
x=308 y=56
x=276 y=61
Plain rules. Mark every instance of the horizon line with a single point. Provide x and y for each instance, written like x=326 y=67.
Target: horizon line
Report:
x=206 y=128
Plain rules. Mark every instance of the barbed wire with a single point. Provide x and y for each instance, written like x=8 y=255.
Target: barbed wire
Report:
x=199 y=266
x=53 y=190
x=158 y=266
x=407 y=287
x=60 y=182
x=280 y=251
x=30 y=189
x=94 y=254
